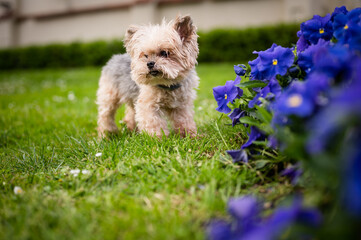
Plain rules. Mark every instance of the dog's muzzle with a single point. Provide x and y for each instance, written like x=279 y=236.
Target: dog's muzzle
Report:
x=154 y=73
x=150 y=66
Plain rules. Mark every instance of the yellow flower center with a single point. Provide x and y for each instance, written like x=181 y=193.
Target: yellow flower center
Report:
x=225 y=96
x=275 y=62
x=321 y=30
x=295 y=100
x=345 y=27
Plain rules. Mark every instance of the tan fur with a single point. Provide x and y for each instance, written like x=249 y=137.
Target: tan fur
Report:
x=148 y=105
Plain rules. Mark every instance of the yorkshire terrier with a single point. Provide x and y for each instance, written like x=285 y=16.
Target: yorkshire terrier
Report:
x=155 y=79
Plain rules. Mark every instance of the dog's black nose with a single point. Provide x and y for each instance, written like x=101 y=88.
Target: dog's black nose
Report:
x=150 y=64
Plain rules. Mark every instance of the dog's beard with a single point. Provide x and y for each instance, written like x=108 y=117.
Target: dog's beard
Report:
x=167 y=74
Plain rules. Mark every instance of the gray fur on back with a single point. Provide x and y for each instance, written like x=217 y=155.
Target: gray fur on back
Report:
x=118 y=70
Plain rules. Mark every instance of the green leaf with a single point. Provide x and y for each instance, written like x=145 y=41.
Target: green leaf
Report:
x=250 y=121
x=266 y=128
x=261 y=163
x=252 y=84
x=264 y=114
x=260 y=143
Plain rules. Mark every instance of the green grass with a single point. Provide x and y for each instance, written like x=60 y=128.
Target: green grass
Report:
x=140 y=188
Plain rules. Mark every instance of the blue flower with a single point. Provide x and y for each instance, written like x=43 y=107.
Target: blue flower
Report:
x=318 y=82
x=338 y=10
x=344 y=107
x=255 y=100
x=237 y=81
x=240 y=70
x=236 y=115
x=238 y=155
x=272 y=142
x=346 y=26
x=285 y=216
x=279 y=119
x=351 y=191
x=275 y=60
x=302 y=44
x=296 y=100
x=355 y=43
x=247 y=224
x=225 y=94
x=333 y=60
x=253 y=136
x=245 y=208
x=245 y=213
x=305 y=59
x=324 y=126
x=293 y=172
x=270 y=92
x=316 y=28
x=220 y=230
x=255 y=72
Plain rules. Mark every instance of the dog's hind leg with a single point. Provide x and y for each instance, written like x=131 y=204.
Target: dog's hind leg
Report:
x=108 y=101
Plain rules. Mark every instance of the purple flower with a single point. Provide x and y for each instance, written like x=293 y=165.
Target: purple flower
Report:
x=346 y=26
x=240 y=70
x=279 y=119
x=255 y=100
x=338 y=10
x=269 y=92
x=305 y=59
x=245 y=213
x=245 y=209
x=238 y=81
x=351 y=192
x=343 y=109
x=253 y=136
x=302 y=43
x=220 y=230
x=316 y=28
x=247 y=224
x=340 y=120
x=333 y=60
x=296 y=100
x=225 y=94
x=285 y=216
x=255 y=72
x=236 y=115
x=275 y=60
x=318 y=82
x=238 y=155
x=355 y=43
x=272 y=142
x=293 y=172
x=323 y=127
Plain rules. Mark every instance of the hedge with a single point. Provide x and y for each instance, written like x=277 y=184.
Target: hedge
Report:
x=233 y=45
x=60 y=55
x=229 y=45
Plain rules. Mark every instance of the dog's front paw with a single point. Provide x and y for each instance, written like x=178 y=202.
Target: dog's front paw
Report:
x=104 y=132
x=159 y=133
x=192 y=133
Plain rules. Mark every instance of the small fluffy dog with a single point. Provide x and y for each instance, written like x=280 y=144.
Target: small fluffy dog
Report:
x=156 y=79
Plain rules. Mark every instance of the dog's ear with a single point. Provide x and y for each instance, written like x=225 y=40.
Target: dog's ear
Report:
x=184 y=26
x=129 y=35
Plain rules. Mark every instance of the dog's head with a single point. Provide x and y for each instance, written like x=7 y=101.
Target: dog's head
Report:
x=162 y=54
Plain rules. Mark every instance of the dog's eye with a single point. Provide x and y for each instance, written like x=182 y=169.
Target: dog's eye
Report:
x=145 y=55
x=163 y=54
